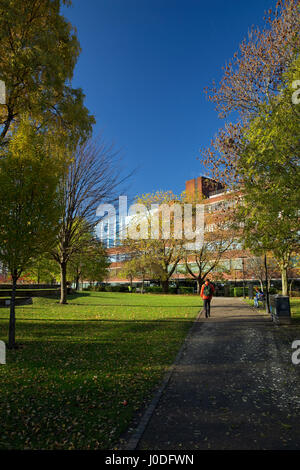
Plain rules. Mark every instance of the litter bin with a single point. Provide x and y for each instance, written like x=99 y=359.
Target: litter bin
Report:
x=280 y=308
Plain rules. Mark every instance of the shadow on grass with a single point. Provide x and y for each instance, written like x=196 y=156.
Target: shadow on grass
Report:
x=136 y=305
x=99 y=320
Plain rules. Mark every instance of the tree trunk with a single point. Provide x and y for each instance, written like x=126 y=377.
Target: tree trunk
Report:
x=63 y=282
x=290 y=288
x=284 y=280
x=143 y=284
x=165 y=286
x=199 y=284
x=12 y=316
x=77 y=283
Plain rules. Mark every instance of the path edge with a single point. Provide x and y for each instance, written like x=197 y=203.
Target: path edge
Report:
x=140 y=429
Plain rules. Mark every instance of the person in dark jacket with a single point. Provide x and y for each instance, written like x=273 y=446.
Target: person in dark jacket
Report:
x=207 y=291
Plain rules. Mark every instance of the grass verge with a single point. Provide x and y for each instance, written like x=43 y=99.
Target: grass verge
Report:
x=84 y=368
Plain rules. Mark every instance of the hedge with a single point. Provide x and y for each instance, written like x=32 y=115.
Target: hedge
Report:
x=238 y=291
x=186 y=290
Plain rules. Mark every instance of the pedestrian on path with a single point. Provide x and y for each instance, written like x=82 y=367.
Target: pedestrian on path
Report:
x=207 y=291
x=259 y=296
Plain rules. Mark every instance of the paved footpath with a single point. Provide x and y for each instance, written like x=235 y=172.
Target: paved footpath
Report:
x=234 y=386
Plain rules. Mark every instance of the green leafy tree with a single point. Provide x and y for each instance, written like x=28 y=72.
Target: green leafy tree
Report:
x=90 y=264
x=43 y=270
x=29 y=207
x=95 y=267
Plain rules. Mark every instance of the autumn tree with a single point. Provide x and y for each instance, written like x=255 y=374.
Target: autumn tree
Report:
x=154 y=234
x=218 y=239
x=269 y=167
x=255 y=268
x=251 y=80
x=29 y=213
x=258 y=154
x=138 y=263
x=38 y=50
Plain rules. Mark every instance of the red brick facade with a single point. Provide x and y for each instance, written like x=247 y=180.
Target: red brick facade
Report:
x=213 y=195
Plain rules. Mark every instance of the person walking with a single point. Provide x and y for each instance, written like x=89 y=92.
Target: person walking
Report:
x=207 y=291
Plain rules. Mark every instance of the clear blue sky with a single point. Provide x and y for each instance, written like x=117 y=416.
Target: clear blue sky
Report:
x=143 y=67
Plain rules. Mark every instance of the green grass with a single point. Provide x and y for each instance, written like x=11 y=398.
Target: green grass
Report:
x=295 y=308
x=294 y=303
x=65 y=387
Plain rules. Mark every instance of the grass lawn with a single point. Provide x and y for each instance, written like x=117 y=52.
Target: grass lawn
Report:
x=66 y=386
x=295 y=306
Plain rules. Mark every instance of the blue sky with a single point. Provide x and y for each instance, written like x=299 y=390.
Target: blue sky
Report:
x=143 y=67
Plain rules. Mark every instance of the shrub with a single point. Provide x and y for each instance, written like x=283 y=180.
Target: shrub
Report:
x=186 y=290
x=172 y=290
x=238 y=291
x=153 y=290
x=273 y=291
x=118 y=288
x=295 y=293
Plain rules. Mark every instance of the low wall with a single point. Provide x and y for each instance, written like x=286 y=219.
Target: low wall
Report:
x=30 y=292
x=30 y=286
x=4 y=302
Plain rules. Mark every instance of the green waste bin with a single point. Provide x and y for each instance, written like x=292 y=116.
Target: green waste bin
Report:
x=280 y=308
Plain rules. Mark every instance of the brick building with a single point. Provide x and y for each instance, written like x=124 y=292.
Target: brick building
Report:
x=236 y=266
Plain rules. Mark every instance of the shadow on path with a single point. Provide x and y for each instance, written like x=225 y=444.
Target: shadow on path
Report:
x=233 y=387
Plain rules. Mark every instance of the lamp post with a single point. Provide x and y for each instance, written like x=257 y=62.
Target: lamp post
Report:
x=267 y=288
x=243 y=266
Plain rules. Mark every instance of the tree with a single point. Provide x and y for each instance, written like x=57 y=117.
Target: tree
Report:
x=252 y=79
x=258 y=155
x=218 y=238
x=293 y=270
x=139 y=264
x=269 y=167
x=91 y=179
x=43 y=270
x=160 y=251
x=29 y=208
x=39 y=50
x=90 y=264
x=255 y=268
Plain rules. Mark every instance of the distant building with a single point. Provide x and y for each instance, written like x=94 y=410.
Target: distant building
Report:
x=235 y=263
